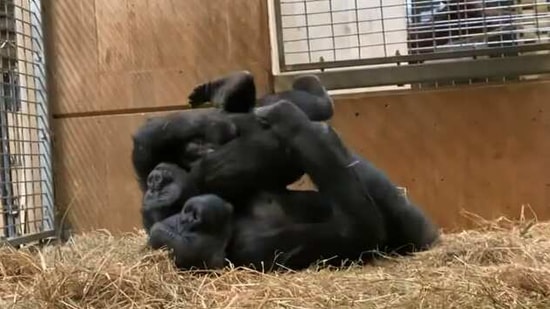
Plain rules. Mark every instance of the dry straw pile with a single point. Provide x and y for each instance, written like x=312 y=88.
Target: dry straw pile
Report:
x=503 y=265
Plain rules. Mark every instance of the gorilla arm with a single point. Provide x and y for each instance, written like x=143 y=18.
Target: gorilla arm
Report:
x=236 y=93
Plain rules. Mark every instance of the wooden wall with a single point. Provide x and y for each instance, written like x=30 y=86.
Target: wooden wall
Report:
x=109 y=62
x=114 y=63
x=484 y=149
x=118 y=56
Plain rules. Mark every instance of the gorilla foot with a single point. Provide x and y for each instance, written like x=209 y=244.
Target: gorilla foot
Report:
x=235 y=93
x=202 y=93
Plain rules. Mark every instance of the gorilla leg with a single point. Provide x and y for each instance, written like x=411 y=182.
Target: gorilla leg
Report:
x=168 y=187
x=236 y=93
x=368 y=211
x=355 y=226
x=198 y=235
x=408 y=227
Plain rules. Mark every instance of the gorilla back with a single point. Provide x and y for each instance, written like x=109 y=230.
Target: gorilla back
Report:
x=253 y=161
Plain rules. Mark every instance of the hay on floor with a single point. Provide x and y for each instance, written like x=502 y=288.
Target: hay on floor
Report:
x=485 y=268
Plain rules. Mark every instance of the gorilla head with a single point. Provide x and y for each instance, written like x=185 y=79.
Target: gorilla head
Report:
x=198 y=235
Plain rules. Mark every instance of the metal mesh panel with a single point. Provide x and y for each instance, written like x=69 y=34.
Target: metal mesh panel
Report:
x=26 y=211
x=314 y=30
x=314 y=34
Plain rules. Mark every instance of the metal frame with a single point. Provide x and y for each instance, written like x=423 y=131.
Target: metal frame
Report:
x=43 y=113
x=30 y=238
x=35 y=59
x=456 y=70
x=419 y=68
x=485 y=51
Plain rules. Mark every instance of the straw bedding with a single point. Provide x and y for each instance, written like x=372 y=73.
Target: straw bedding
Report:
x=499 y=265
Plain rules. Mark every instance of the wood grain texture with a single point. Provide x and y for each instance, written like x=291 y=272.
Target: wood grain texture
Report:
x=121 y=55
x=485 y=150
x=94 y=180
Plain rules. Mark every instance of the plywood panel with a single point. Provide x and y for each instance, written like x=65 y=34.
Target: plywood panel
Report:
x=94 y=179
x=72 y=54
x=107 y=54
x=485 y=150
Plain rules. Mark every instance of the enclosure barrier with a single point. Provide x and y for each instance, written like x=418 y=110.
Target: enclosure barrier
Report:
x=27 y=212
x=362 y=43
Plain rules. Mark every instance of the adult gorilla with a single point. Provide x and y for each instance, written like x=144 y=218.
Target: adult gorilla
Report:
x=191 y=140
x=356 y=211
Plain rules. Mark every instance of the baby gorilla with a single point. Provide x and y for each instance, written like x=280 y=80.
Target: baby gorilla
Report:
x=168 y=187
x=198 y=235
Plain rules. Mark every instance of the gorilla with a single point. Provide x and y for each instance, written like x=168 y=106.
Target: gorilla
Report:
x=193 y=141
x=167 y=190
x=236 y=93
x=248 y=159
x=356 y=213
x=198 y=235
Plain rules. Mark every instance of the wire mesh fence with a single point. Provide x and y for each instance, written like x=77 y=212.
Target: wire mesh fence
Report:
x=325 y=34
x=26 y=211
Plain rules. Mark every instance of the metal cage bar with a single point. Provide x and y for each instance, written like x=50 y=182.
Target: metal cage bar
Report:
x=27 y=209
x=395 y=33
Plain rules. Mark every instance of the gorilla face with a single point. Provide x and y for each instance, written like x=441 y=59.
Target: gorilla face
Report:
x=198 y=235
x=168 y=233
x=165 y=186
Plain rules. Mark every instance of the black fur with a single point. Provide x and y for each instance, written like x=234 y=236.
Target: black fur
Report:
x=357 y=210
x=356 y=213
x=192 y=141
x=198 y=235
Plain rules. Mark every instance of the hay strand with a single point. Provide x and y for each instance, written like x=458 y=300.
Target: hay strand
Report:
x=490 y=267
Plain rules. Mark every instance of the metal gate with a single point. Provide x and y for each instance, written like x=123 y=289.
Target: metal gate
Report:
x=361 y=43
x=26 y=212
